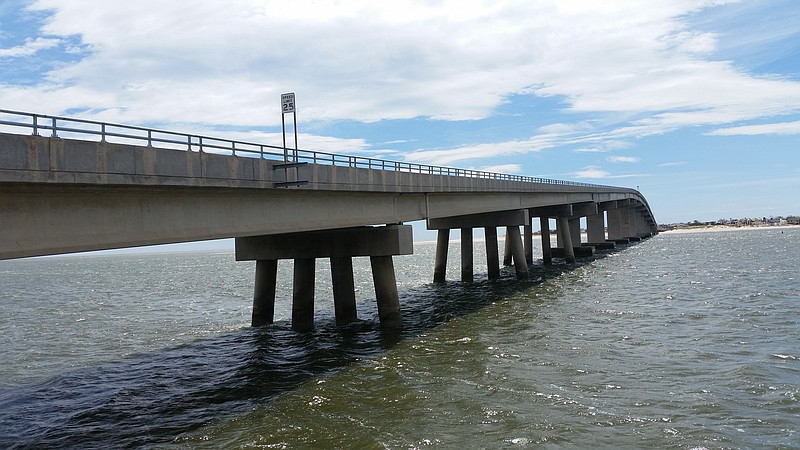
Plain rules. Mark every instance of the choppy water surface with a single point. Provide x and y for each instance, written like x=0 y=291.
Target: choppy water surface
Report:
x=683 y=341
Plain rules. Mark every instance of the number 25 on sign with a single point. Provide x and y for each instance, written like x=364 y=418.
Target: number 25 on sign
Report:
x=287 y=103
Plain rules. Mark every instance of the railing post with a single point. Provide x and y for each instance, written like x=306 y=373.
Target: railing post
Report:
x=102 y=132
x=149 y=138
x=35 y=125
x=54 y=134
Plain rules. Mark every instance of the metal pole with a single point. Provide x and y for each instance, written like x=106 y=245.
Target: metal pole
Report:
x=283 y=127
x=294 y=119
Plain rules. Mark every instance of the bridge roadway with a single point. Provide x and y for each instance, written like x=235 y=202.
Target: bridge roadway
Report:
x=61 y=195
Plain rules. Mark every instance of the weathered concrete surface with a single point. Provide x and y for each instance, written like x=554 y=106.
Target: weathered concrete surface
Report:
x=348 y=242
x=61 y=195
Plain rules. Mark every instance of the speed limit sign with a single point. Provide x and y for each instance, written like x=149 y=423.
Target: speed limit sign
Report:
x=287 y=102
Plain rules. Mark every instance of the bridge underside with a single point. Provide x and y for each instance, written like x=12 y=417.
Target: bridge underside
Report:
x=61 y=218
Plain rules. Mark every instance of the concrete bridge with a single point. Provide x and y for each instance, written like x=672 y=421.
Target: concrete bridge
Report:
x=71 y=185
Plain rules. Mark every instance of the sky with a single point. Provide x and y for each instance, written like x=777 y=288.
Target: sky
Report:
x=694 y=102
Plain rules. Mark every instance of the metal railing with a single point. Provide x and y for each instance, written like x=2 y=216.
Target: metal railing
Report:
x=65 y=127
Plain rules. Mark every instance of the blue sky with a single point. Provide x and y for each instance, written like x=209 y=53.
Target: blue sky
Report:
x=695 y=102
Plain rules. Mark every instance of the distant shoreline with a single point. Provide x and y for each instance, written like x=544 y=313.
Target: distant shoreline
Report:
x=712 y=228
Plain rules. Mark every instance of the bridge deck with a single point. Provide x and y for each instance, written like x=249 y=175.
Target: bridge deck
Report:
x=64 y=195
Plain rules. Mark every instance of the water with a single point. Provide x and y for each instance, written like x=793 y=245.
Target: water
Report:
x=683 y=341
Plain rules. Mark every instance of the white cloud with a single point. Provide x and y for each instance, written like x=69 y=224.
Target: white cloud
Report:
x=591 y=172
x=590 y=150
x=781 y=128
x=623 y=159
x=488 y=150
x=227 y=63
x=503 y=168
x=30 y=47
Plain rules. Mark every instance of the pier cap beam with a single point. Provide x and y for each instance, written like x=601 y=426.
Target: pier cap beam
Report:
x=552 y=211
x=495 y=219
x=584 y=209
x=348 y=242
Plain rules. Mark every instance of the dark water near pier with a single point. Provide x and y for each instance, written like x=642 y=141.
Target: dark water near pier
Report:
x=683 y=341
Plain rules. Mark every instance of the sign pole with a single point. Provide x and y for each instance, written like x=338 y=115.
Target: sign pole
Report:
x=288 y=106
x=294 y=119
x=283 y=127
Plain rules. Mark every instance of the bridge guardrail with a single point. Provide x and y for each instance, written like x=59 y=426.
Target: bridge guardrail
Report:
x=65 y=127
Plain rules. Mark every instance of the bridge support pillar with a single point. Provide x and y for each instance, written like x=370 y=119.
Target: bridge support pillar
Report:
x=344 y=292
x=507 y=257
x=547 y=254
x=617 y=231
x=303 y=294
x=518 y=251
x=575 y=231
x=527 y=241
x=264 y=295
x=492 y=257
x=379 y=243
x=442 y=247
x=566 y=239
x=467 y=264
x=595 y=229
x=386 y=291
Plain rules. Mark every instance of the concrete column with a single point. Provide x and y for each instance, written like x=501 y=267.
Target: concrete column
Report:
x=527 y=241
x=517 y=249
x=264 y=292
x=595 y=229
x=615 y=224
x=625 y=215
x=442 y=247
x=386 y=291
x=566 y=236
x=559 y=237
x=303 y=294
x=344 y=292
x=507 y=257
x=547 y=254
x=492 y=257
x=642 y=229
x=575 y=231
x=466 y=255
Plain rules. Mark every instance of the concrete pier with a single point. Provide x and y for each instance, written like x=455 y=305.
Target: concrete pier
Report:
x=517 y=249
x=386 y=291
x=467 y=260
x=544 y=225
x=442 y=247
x=508 y=258
x=595 y=228
x=575 y=231
x=379 y=243
x=264 y=292
x=492 y=256
x=566 y=239
x=344 y=293
x=490 y=222
x=527 y=242
x=303 y=294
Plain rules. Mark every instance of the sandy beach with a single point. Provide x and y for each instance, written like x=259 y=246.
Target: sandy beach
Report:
x=715 y=228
